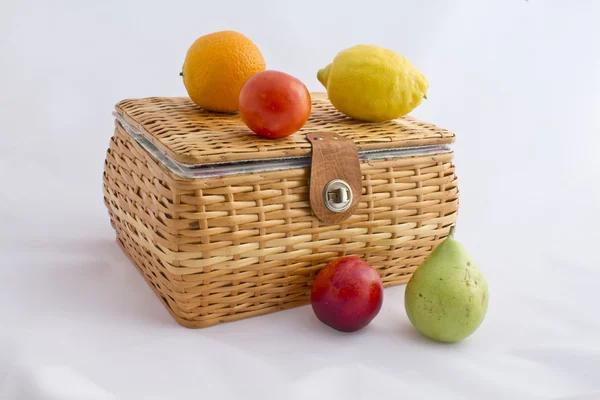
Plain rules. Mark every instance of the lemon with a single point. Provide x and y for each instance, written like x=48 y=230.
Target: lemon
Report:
x=371 y=83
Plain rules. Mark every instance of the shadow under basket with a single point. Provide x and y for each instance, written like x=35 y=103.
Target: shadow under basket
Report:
x=225 y=225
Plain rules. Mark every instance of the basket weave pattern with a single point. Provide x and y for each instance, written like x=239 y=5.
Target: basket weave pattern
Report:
x=221 y=249
x=194 y=136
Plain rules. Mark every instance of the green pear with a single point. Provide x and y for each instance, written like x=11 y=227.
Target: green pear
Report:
x=447 y=297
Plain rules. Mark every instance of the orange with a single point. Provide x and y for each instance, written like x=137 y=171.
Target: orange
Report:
x=216 y=67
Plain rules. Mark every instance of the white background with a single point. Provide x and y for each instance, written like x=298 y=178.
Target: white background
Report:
x=519 y=83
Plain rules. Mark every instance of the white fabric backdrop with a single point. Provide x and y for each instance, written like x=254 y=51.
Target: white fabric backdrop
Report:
x=516 y=80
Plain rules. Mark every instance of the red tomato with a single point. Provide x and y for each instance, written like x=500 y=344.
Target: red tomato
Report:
x=274 y=104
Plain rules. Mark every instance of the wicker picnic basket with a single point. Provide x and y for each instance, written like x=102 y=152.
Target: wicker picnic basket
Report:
x=225 y=225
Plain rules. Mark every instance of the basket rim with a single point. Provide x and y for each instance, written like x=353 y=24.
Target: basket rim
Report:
x=227 y=168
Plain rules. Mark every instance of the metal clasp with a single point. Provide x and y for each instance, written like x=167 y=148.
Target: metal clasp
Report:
x=337 y=195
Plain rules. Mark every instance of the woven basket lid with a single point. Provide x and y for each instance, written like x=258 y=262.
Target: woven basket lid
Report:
x=194 y=136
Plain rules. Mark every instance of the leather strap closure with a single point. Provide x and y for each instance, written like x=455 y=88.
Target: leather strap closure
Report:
x=335 y=178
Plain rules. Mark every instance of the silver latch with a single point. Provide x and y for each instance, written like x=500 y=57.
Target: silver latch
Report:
x=337 y=195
